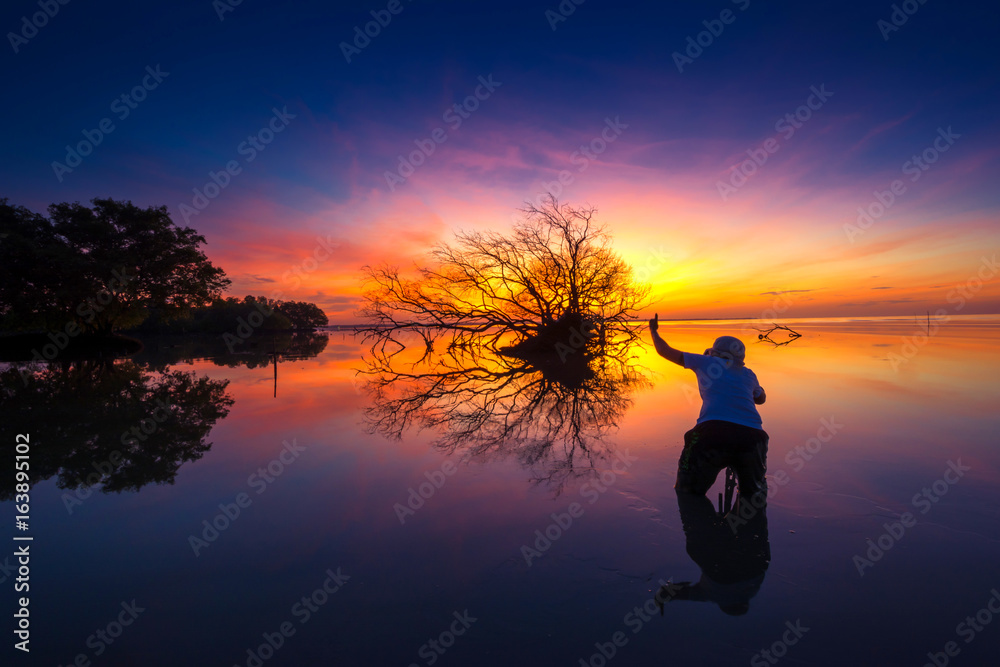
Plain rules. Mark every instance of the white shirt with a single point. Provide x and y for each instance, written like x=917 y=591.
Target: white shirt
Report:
x=726 y=393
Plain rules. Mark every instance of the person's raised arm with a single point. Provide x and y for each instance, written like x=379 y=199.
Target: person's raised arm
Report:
x=664 y=350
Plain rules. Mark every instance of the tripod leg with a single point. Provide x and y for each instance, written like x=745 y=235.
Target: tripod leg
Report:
x=730 y=487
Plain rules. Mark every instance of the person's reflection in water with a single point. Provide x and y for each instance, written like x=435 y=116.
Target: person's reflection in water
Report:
x=731 y=549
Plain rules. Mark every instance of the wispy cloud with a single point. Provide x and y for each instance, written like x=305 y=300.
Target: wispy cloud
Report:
x=786 y=291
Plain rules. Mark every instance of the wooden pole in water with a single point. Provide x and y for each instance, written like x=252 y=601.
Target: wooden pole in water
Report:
x=274 y=353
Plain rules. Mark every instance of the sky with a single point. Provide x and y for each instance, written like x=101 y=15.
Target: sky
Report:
x=824 y=160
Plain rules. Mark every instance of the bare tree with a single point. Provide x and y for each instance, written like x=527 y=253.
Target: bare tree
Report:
x=556 y=271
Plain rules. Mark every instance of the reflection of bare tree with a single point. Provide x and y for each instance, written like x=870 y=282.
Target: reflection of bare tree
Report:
x=549 y=413
x=765 y=332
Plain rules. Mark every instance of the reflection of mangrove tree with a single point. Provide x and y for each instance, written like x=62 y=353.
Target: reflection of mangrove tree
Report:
x=112 y=423
x=258 y=351
x=550 y=414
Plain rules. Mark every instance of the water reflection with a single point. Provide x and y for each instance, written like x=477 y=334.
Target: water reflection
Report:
x=116 y=423
x=550 y=413
x=731 y=548
x=255 y=352
x=901 y=428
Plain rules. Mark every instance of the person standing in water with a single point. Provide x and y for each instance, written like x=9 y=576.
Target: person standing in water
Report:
x=729 y=430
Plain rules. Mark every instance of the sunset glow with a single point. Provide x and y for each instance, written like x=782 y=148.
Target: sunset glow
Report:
x=534 y=332
x=720 y=182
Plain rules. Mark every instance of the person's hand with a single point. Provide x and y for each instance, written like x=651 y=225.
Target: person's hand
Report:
x=654 y=323
x=668 y=592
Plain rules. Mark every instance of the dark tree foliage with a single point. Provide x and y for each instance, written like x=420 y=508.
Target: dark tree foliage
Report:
x=108 y=423
x=303 y=315
x=102 y=267
x=223 y=315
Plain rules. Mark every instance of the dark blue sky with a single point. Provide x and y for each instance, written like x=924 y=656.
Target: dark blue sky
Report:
x=352 y=120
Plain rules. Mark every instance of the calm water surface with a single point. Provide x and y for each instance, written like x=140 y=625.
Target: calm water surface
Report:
x=858 y=438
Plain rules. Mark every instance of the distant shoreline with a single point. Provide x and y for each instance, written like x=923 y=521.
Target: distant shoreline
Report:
x=844 y=319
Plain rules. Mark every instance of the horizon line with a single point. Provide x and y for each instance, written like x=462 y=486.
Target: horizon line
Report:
x=747 y=319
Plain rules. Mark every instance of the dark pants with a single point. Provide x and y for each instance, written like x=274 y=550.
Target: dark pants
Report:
x=713 y=445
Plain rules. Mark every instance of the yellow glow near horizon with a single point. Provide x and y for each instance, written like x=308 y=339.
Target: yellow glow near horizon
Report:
x=701 y=260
